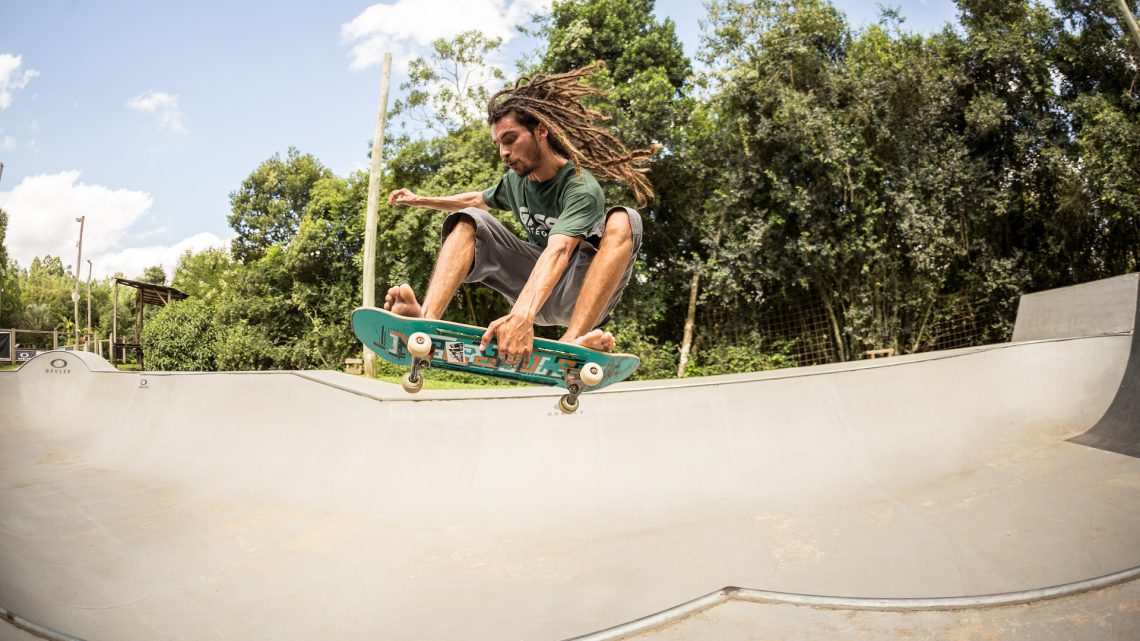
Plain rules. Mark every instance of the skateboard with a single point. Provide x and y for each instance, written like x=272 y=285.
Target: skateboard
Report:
x=418 y=343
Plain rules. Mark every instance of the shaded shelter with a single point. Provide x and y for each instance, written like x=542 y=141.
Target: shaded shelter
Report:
x=145 y=294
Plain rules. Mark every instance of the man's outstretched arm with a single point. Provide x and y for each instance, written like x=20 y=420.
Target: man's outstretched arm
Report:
x=515 y=331
x=404 y=196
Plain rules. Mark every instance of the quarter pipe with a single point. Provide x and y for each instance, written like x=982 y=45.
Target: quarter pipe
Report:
x=988 y=492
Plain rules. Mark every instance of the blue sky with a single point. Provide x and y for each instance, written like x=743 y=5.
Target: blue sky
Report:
x=143 y=116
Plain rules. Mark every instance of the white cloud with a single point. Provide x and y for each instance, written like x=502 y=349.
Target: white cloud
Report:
x=42 y=210
x=165 y=106
x=153 y=101
x=131 y=262
x=409 y=26
x=41 y=221
x=12 y=78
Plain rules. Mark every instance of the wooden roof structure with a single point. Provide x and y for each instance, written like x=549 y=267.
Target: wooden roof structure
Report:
x=152 y=294
x=146 y=294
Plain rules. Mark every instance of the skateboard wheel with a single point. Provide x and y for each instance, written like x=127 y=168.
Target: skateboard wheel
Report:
x=419 y=344
x=411 y=386
x=568 y=405
x=592 y=374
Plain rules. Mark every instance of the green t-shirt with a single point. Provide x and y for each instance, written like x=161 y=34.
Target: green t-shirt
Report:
x=565 y=204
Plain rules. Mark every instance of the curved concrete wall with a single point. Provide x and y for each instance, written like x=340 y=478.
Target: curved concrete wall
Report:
x=319 y=505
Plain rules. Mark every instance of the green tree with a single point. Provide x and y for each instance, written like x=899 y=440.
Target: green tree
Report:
x=204 y=274
x=323 y=263
x=409 y=238
x=449 y=89
x=847 y=179
x=624 y=33
x=10 y=293
x=647 y=78
x=1015 y=124
x=875 y=174
x=786 y=182
x=243 y=347
x=154 y=275
x=180 y=337
x=3 y=239
x=287 y=301
x=268 y=207
x=1099 y=208
x=45 y=295
x=459 y=158
x=9 y=284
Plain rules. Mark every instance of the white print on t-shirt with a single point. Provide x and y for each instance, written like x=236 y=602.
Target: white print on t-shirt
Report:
x=538 y=224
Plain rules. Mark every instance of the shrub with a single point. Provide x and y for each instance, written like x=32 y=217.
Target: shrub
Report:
x=180 y=337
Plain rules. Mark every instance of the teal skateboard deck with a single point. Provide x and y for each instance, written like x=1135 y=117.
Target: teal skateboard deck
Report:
x=455 y=346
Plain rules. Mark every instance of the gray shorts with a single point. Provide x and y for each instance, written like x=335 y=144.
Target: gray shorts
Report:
x=504 y=262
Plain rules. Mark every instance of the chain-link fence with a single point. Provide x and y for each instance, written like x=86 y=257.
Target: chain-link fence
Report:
x=806 y=335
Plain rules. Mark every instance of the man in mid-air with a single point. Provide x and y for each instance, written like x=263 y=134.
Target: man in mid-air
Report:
x=580 y=255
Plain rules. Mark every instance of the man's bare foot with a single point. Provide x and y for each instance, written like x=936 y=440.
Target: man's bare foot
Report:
x=402 y=300
x=597 y=340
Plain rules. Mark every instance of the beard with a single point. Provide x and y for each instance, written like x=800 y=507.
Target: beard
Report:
x=521 y=168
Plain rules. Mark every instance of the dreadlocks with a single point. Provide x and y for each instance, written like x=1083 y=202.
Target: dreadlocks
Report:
x=554 y=100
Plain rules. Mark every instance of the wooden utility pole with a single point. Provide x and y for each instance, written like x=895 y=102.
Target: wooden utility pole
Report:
x=1130 y=20
x=87 y=330
x=75 y=290
x=114 y=318
x=369 y=299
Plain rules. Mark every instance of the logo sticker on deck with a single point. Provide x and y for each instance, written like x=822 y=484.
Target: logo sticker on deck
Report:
x=455 y=353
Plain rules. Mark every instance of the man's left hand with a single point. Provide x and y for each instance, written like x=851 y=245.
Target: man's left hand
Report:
x=515 y=334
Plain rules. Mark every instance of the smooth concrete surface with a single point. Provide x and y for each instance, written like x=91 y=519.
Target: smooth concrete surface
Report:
x=317 y=505
x=1100 y=307
x=1119 y=429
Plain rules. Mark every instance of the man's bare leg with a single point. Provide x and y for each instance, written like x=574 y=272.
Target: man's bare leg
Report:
x=602 y=282
x=451 y=267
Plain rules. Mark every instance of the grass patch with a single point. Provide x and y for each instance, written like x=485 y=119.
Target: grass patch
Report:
x=442 y=379
x=446 y=383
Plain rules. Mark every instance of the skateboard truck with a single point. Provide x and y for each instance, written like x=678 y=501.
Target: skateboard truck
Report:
x=420 y=347
x=576 y=381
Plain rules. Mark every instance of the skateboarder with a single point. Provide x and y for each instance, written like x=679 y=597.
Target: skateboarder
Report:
x=579 y=257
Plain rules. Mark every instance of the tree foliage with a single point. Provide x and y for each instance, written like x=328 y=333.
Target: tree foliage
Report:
x=648 y=80
x=887 y=178
x=180 y=337
x=268 y=207
x=449 y=89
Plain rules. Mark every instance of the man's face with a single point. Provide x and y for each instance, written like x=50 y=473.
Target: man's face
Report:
x=518 y=147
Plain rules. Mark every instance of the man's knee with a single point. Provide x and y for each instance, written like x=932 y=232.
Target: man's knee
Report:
x=460 y=226
x=619 y=230
x=465 y=224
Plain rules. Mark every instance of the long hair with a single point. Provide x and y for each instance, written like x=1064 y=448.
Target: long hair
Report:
x=555 y=101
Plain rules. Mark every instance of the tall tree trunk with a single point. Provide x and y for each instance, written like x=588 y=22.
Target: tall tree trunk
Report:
x=836 y=326
x=691 y=316
x=690 y=322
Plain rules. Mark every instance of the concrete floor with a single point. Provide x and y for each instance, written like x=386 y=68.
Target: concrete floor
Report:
x=936 y=496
